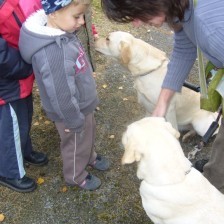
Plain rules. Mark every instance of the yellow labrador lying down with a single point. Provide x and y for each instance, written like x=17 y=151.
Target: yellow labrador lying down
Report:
x=149 y=65
x=172 y=191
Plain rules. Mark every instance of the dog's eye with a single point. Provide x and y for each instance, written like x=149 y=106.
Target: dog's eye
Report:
x=107 y=39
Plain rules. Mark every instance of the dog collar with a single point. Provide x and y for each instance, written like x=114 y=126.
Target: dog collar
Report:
x=146 y=73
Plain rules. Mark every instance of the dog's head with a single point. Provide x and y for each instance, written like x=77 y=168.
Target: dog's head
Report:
x=141 y=134
x=138 y=56
x=114 y=44
x=153 y=143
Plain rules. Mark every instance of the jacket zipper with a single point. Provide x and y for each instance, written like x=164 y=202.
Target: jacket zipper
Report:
x=17 y=19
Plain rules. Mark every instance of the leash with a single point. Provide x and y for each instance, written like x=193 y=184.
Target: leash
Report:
x=212 y=128
x=192 y=86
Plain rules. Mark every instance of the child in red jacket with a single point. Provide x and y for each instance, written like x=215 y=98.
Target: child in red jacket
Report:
x=16 y=105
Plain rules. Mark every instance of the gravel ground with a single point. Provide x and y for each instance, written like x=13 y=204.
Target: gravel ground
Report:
x=118 y=200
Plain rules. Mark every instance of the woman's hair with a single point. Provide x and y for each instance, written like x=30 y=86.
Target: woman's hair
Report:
x=125 y=11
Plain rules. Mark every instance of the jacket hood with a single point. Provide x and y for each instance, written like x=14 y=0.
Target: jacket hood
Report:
x=35 y=35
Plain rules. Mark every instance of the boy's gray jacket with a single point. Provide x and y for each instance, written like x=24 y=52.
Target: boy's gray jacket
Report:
x=62 y=71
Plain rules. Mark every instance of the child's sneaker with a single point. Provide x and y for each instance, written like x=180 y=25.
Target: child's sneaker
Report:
x=90 y=183
x=101 y=163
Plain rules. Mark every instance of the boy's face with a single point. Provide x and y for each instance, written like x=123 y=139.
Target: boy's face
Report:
x=70 y=18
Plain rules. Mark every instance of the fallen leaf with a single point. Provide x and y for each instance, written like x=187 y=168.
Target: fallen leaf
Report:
x=36 y=123
x=2 y=217
x=40 y=181
x=47 y=122
x=111 y=136
x=97 y=108
x=121 y=87
x=104 y=86
x=64 y=189
x=125 y=99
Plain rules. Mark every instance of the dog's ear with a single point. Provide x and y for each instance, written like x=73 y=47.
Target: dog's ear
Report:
x=172 y=130
x=125 y=52
x=131 y=154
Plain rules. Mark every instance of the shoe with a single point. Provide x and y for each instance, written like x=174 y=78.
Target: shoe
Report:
x=90 y=183
x=24 y=184
x=101 y=163
x=36 y=158
x=199 y=165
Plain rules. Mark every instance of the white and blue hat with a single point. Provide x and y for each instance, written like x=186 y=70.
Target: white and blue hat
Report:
x=50 y=6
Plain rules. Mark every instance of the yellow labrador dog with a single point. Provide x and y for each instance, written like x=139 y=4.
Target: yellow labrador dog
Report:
x=172 y=191
x=148 y=65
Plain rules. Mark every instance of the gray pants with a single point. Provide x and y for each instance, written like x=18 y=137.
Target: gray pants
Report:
x=77 y=150
x=214 y=169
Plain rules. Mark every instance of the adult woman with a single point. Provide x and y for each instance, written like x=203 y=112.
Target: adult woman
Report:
x=201 y=26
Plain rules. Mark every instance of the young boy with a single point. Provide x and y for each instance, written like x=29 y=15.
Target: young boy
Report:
x=67 y=87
